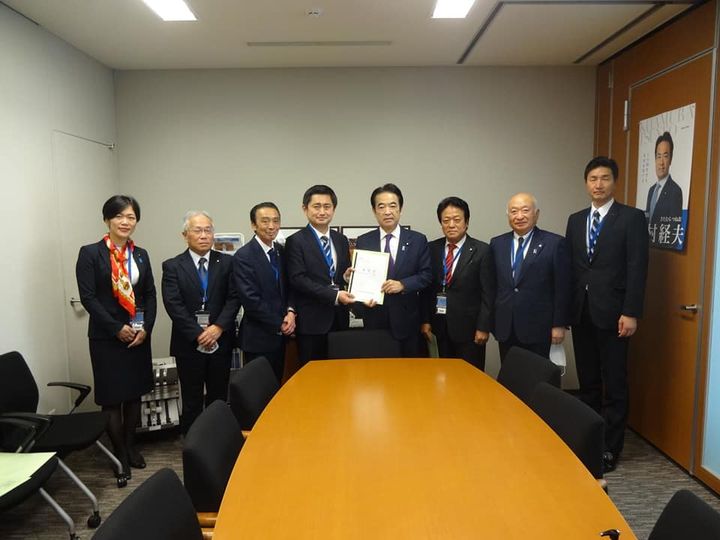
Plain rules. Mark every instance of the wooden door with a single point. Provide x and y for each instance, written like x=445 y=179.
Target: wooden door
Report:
x=664 y=355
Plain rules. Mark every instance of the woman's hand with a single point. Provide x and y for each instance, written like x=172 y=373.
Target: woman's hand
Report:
x=126 y=334
x=139 y=338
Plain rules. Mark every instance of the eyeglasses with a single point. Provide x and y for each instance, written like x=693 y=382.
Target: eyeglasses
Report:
x=197 y=231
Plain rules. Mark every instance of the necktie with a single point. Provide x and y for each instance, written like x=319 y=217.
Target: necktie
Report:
x=275 y=263
x=203 y=275
x=517 y=263
x=594 y=231
x=328 y=254
x=654 y=200
x=449 y=259
x=391 y=264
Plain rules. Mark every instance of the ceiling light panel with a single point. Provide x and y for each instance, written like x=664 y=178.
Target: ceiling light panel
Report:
x=452 y=9
x=171 y=10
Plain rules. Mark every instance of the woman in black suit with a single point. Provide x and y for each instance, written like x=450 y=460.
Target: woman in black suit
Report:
x=117 y=289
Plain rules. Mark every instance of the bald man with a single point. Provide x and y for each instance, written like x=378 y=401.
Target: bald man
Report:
x=533 y=281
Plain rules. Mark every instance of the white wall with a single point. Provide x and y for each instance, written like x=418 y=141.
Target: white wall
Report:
x=46 y=85
x=223 y=140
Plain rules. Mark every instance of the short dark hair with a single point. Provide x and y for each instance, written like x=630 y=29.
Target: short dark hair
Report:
x=453 y=201
x=319 y=189
x=387 y=188
x=117 y=203
x=665 y=137
x=602 y=161
x=258 y=206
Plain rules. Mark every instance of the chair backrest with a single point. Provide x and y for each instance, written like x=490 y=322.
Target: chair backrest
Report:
x=688 y=517
x=523 y=370
x=362 y=344
x=251 y=389
x=18 y=389
x=210 y=450
x=159 y=509
x=582 y=429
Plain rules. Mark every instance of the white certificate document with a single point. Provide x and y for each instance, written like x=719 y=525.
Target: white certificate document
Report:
x=371 y=268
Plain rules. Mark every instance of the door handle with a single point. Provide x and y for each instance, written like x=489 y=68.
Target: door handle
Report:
x=74 y=301
x=693 y=308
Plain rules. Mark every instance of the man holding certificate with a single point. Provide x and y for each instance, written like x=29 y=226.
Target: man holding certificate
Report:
x=408 y=264
x=317 y=261
x=458 y=306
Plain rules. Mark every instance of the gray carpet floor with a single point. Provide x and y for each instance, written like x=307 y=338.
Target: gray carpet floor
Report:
x=640 y=487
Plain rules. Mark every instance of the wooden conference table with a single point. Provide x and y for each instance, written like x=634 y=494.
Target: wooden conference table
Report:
x=407 y=449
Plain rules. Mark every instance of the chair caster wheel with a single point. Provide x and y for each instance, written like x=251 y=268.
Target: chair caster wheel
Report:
x=122 y=481
x=94 y=520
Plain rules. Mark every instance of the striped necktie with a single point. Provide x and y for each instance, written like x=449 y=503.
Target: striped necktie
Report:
x=328 y=253
x=594 y=231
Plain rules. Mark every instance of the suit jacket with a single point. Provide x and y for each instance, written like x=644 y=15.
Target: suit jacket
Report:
x=263 y=297
x=538 y=298
x=669 y=203
x=412 y=268
x=308 y=274
x=94 y=278
x=470 y=295
x=182 y=295
x=614 y=282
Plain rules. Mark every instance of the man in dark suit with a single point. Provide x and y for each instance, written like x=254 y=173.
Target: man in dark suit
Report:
x=261 y=282
x=663 y=208
x=458 y=304
x=317 y=260
x=200 y=299
x=408 y=273
x=608 y=245
x=532 y=307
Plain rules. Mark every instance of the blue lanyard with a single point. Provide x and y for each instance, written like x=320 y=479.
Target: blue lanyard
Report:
x=526 y=245
x=445 y=267
x=328 y=257
x=128 y=258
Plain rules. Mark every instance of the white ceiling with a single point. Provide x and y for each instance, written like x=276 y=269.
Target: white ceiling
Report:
x=125 y=34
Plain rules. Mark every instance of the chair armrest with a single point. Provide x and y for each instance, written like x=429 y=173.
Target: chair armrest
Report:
x=245 y=433
x=84 y=390
x=207 y=519
x=29 y=427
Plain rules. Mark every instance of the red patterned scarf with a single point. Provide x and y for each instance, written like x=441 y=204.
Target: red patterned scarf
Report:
x=122 y=288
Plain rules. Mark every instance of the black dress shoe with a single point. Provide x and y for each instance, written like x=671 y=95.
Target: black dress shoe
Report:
x=609 y=462
x=135 y=459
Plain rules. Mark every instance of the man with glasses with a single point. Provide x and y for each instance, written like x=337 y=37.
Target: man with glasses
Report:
x=533 y=282
x=199 y=296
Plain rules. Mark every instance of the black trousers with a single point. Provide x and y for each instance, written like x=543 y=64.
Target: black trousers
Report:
x=276 y=359
x=601 y=362
x=469 y=351
x=200 y=374
x=543 y=349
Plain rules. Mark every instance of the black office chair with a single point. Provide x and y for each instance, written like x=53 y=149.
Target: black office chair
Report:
x=580 y=427
x=362 y=344
x=210 y=450
x=688 y=517
x=523 y=370
x=159 y=509
x=251 y=389
x=60 y=433
x=26 y=432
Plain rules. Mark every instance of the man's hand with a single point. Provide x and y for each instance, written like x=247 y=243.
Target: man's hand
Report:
x=392 y=286
x=370 y=303
x=345 y=298
x=140 y=336
x=481 y=338
x=209 y=336
x=126 y=334
x=426 y=330
x=347 y=274
x=626 y=326
x=288 y=325
x=557 y=335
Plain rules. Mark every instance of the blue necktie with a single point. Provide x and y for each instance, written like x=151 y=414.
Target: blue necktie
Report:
x=203 y=275
x=391 y=264
x=328 y=254
x=275 y=262
x=653 y=202
x=517 y=263
x=594 y=232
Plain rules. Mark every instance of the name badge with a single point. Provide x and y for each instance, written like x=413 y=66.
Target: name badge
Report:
x=203 y=318
x=441 y=304
x=138 y=321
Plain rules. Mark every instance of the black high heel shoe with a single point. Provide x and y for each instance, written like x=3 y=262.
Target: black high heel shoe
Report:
x=135 y=459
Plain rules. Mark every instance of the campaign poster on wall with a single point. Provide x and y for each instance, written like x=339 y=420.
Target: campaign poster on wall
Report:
x=665 y=147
